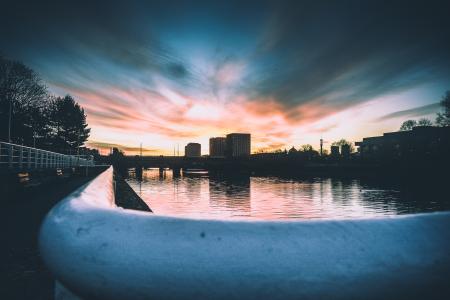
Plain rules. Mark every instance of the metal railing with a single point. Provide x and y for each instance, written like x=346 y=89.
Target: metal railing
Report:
x=98 y=251
x=19 y=157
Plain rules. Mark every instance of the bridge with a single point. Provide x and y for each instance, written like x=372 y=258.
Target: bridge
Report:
x=96 y=250
x=171 y=162
x=178 y=163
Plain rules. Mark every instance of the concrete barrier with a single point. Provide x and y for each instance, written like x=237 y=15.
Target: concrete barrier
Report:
x=97 y=250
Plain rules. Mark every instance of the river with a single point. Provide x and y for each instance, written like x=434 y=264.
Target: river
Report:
x=218 y=196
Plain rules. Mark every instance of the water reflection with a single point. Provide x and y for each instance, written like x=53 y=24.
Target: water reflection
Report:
x=231 y=194
x=201 y=195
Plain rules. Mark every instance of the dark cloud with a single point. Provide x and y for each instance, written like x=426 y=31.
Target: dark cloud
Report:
x=352 y=51
x=413 y=112
x=331 y=53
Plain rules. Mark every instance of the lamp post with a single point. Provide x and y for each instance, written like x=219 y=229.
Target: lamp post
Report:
x=8 y=71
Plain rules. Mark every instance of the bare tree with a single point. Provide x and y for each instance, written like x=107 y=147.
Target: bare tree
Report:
x=443 y=118
x=408 y=125
x=306 y=148
x=424 y=122
x=22 y=95
x=342 y=142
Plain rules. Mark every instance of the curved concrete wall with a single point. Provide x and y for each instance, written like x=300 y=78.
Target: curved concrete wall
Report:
x=97 y=250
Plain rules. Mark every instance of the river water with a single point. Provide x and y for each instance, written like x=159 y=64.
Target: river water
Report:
x=203 y=195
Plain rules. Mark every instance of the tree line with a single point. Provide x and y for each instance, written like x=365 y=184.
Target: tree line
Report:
x=30 y=115
x=308 y=150
x=442 y=117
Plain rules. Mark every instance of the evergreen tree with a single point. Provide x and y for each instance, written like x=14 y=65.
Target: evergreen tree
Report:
x=68 y=125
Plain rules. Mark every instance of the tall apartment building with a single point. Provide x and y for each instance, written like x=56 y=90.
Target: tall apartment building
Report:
x=192 y=150
x=237 y=145
x=217 y=146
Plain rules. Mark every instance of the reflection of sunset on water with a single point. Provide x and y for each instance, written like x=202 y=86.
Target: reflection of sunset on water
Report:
x=238 y=196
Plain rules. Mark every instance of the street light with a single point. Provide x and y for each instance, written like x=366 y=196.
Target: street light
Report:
x=8 y=71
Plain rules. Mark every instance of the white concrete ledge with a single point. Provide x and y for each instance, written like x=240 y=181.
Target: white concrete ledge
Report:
x=97 y=250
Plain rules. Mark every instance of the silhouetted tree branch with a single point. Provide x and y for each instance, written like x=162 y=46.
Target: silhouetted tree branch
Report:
x=342 y=142
x=23 y=95
x=37 y=118
x=408 y=125
x=424 y=122
x=443 y=118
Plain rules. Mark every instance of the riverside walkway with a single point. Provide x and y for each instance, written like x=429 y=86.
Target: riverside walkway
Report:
x=24 y=274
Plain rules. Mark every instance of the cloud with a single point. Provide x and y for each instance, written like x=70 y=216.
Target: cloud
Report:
x=310 y=51
x=413 y=112
x=108 y=146
x=188 y=70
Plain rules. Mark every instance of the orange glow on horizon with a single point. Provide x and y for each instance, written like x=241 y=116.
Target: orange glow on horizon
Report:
x=164 y=120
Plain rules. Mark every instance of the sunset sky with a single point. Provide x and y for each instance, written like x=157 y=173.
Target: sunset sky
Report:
x=287 y=72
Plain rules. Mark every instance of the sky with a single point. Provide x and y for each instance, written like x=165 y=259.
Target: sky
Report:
x=165 y=73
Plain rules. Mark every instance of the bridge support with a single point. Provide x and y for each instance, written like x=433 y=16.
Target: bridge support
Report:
x=138 y=171
x=176 y=172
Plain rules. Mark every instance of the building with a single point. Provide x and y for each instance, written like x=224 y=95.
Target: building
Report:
x=420 y=142
x=193 y=150
x=238 y=145
x=335 y=151
x=345 y=151
x=217 y=146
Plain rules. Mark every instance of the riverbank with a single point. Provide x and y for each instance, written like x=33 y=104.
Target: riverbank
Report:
x=126 y=197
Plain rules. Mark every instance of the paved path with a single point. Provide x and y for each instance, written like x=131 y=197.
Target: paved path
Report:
x=24 y=275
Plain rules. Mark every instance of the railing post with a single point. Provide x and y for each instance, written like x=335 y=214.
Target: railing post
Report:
x=29 y=158
x=36 y=155
x=11 y=156
x=20 y=157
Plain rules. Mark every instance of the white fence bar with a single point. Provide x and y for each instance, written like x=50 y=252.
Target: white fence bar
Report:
x=19 y=157
x=97 y=250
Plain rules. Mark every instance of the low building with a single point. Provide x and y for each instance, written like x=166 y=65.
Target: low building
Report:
x=193 y=150
x=217 y=147
x=345 y=151
x=335 y=151
x=421 y=141
x=238 y=145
